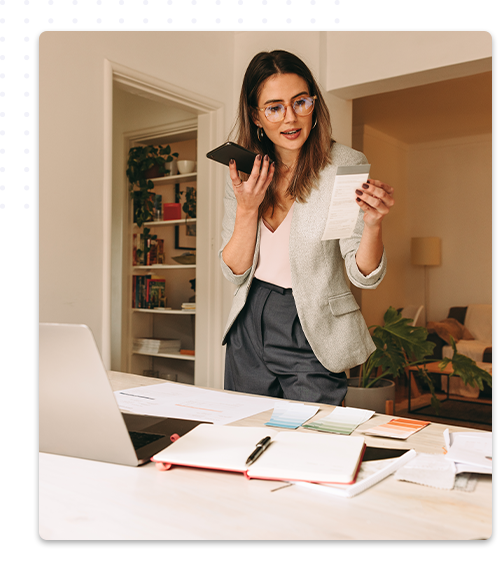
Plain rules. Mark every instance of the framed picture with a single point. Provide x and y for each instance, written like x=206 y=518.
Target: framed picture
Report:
x=185 y=234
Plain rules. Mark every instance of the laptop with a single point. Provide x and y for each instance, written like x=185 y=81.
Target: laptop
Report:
x=78 y=413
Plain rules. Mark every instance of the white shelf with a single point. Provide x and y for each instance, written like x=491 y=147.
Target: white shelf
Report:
x=167 y=179
x=167 y=222
x=180 y=312
x=177 y=356
x=157 y=267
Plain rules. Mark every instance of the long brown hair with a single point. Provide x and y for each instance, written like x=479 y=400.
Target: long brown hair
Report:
x=314 y=154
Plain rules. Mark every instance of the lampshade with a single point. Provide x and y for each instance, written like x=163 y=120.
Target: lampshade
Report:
x=425 y=251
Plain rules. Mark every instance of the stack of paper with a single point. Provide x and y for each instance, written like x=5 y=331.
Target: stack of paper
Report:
x=342 y=420
x=471 y=452
x=189 y=306
x=149 y=345
x=291 y=415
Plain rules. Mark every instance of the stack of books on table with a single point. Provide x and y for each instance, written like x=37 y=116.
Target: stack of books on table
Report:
x=155 y=346
x=189 y=306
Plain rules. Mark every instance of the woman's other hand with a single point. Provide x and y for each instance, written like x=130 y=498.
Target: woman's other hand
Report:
x=376 y=200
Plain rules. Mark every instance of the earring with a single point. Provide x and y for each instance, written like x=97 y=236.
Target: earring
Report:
x=315 y=123
x=260 y=133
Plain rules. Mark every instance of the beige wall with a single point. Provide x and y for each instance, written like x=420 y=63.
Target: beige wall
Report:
x=442 y=188
x=72 y=201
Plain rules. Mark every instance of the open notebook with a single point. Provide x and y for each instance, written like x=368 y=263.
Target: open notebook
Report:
x=293 y=456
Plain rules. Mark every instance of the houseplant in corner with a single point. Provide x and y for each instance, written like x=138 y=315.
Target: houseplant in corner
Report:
x=142 y=160
x=400 y=346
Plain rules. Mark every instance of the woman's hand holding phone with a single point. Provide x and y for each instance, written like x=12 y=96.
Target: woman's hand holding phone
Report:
x=250 y=194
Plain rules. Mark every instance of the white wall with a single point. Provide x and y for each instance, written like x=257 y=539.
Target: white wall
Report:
x=72 y=148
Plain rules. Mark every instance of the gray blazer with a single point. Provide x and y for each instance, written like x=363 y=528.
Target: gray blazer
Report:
x=328 y=312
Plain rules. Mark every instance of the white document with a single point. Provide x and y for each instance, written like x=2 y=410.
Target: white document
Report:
x=470 y=451
x=343 y=211
x=182 y=401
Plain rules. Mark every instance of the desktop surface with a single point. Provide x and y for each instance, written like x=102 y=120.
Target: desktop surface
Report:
x=83 y=499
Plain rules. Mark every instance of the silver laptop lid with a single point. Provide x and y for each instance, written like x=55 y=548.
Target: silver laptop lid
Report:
x=78 y=414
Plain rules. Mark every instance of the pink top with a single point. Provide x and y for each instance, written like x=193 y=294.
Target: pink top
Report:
x=274 y=260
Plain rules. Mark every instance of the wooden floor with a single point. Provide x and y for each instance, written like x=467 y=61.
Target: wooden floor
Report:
x=401 y=408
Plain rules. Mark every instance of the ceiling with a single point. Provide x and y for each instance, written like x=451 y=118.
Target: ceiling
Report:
x=448 y=109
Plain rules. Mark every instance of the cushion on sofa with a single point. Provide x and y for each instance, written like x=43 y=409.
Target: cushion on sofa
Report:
x=448 y=328
x=479 y=322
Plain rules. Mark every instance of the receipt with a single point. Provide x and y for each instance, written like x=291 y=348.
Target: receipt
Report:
x=343 y=211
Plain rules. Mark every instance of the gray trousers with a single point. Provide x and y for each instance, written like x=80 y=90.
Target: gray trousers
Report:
x=268 y=353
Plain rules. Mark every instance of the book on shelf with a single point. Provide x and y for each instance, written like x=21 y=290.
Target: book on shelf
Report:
x=152 y=345
x=291 y=456
x=148 y=292
x=189 y=306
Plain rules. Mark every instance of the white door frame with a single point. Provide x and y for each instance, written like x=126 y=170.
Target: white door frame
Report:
x=211 y=180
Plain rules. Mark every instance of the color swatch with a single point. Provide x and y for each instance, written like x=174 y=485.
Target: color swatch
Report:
x=342 y=420
x=291 y=415
x=398 y=428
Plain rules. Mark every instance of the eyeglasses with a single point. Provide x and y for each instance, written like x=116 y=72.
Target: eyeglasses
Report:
x=303 y=106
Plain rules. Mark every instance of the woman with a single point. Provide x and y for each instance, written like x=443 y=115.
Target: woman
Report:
x=294 y=326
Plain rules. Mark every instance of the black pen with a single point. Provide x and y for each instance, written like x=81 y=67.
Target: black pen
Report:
x=260 y=448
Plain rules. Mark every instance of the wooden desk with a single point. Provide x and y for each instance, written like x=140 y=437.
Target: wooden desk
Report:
x=82 y=499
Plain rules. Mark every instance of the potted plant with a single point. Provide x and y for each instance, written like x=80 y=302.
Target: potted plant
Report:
x=190 y=204
x=142 y=160
x=400 y=346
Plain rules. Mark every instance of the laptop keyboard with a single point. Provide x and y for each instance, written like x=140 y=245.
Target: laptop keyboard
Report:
x=140 y=439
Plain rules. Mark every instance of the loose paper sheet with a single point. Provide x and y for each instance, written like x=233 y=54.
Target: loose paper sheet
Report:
x=398 y=428
x=182 y=401
x=343 y=211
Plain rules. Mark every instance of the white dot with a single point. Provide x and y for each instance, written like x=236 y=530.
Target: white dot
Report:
x=336 y=20
x=145 y=1
x=26 y=151
x=2 y=206
x=26 y=114
x=26 y=94
x=288 y=20
x=2 y=187
x=218 y=20
x=98 y=20
x=2 y=75
x=26 y=75
x=25 y=21
x=2 y=169
x=26 y=187
x=313 y=20
x=170 y=20
x=26 y=169
x=121 y=21
x=26 y=206
x=145 y=20
x=240 y=20
x=26 y=132
x=51 y=20
x=194 y=20
x=74 y=20
x=26 y=39
x=26 y=57
x=264 y=21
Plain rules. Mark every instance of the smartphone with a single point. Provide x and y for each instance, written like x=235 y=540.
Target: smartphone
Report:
x=230 y=150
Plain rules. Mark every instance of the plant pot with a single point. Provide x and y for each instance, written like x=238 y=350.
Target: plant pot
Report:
x=155 y=171
x=373 y=398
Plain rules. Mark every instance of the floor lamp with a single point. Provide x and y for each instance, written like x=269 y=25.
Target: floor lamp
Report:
x=425 y=252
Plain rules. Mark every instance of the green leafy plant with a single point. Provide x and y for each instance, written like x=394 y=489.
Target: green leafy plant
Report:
x=190 y=204
x=142 y=159
x=400 y=346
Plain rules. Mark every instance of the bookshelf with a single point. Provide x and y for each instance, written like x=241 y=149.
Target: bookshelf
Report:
x=167 y=320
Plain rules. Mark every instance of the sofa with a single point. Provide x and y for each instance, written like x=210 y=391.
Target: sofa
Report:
x=471 y=328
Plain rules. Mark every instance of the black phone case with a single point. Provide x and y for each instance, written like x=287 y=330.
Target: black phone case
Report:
x=223 y=154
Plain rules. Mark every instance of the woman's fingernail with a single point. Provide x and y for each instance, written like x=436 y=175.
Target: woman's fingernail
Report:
x=259 y=157
x=231 y=161
x=266 y=158
x=358 y=199
x=365 y=185
x=358 y=192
